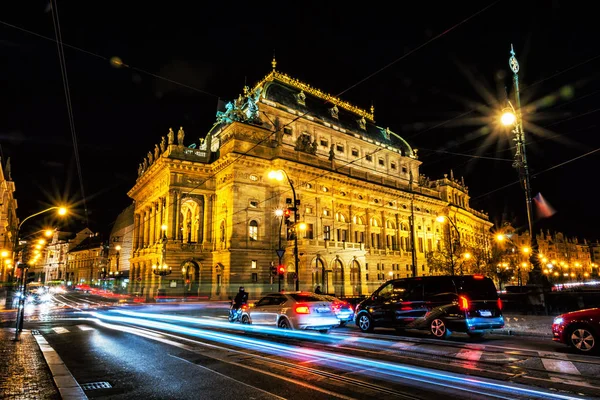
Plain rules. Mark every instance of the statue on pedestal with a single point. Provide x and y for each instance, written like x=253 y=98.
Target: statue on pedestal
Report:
x=144 y=165
x=140 y=170
x=163 y=145
x=180 y=136
x=171 y=136
x=150 y=158
x=156 y=152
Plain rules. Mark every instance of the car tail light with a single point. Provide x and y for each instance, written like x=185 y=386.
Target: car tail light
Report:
x=463 y=303
x=244 y=307
x=499 y=303
x=478 y=276
x=302 y=309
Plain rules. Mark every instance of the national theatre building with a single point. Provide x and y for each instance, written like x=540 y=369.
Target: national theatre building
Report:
x=348 y=211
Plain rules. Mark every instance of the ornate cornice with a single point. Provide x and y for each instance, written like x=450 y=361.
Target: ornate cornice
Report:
x=288 y=80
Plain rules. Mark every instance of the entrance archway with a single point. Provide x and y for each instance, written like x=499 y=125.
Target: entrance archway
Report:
x=355 y=280
x=338 y=277
x=319 y=276
x=190 y=272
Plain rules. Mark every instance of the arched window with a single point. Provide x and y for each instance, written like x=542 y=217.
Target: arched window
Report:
x=375 y=222
x=358 y=220
x=339 y=217
x=390 y=224
x=253 y=230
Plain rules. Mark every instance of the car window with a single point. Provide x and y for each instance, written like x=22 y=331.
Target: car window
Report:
x=305 y=297
x=476 y=289
x=414 y=291
x=278 y=299
x=394 y=291
x=435 y=287
x=264 y=301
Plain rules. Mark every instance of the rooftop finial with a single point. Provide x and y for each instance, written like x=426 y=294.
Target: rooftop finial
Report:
x=274 y=62
x=372 y=109
x=512 y=51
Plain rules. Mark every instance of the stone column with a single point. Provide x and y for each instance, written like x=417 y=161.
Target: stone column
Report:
x=172 y=206
x=210 y=218
x=146 y=227
x=178 y=233
x=368 y=223
x=152 y=223
x=350 y=224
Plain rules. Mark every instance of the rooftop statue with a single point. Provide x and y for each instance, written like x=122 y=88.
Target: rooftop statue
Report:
x=180 y=136
x=171 y=136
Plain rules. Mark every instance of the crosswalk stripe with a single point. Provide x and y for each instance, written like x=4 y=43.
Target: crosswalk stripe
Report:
x=60 y=329
x=470 y=355
x=85 y=328
x=403 y=345
x=560 y=366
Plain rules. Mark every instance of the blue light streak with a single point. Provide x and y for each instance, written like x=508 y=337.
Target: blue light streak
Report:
x=350 y=363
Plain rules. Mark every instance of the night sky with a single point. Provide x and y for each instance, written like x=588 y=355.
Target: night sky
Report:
x=436 y=73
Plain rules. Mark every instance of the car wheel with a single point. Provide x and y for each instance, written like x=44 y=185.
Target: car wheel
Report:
x=365 y=323
x=582 y=339
x=245 y=319
x=284 y=324
x=438 y=328
x=342 y=324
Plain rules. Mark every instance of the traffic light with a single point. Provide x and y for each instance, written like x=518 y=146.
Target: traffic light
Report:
x=281 y=270
x=273 y=270
x=287 y=213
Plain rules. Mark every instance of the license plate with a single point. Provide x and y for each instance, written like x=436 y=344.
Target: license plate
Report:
x=485 y=313
x=322 y=309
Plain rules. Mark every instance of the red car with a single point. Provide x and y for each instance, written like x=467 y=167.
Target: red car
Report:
x=578 y=329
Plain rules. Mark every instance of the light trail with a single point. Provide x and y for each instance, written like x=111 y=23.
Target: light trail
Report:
x=458 y=382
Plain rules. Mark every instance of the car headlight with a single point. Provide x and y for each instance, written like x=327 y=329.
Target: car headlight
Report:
x=558 y=321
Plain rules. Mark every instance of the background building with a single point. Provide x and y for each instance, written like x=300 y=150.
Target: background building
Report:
x=205 y=220
x=8 y=224
x=87 y=262
x=119 y=250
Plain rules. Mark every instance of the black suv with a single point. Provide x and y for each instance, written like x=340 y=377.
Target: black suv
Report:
x=440 y=304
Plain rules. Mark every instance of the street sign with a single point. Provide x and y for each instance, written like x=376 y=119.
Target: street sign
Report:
x=280 y=253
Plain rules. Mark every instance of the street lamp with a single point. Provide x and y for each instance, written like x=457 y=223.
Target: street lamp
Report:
x=512 y=117
x=23 y=284
x=443 y=219
x=280 y=175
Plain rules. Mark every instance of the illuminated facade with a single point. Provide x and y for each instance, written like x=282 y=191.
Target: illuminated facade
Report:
x=87 y=261
x=8 y=222
x=205 y=212
x=562 y=259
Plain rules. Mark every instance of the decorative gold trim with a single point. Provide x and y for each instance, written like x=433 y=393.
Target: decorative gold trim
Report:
x=288 y=80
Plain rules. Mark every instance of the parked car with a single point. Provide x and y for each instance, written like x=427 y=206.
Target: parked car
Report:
x=440 y=304
x=579 y=330
x=292 y=310
x=342 y=309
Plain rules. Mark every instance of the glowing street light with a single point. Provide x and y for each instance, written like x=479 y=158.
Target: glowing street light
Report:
x=23 y=284
x=512 y=117
x=508 y=118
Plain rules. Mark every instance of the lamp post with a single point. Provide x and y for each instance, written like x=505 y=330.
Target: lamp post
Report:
x=443 y=219
x=23 y=284
x=280 y=175
x=512 y=116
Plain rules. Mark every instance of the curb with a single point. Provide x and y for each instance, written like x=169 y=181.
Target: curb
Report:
x=67 y=385
x=512 y=332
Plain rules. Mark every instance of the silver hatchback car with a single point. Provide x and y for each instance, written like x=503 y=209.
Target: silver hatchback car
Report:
x=292 y=310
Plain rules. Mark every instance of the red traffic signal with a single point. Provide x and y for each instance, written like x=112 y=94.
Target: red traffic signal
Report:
x=287 y=213
x=281 y=269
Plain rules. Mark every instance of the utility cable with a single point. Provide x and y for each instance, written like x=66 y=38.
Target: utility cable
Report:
x=65 y=80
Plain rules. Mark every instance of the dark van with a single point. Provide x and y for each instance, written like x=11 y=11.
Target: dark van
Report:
x=440 y=304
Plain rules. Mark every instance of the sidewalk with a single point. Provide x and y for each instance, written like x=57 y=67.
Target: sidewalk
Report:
x=24 y=373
